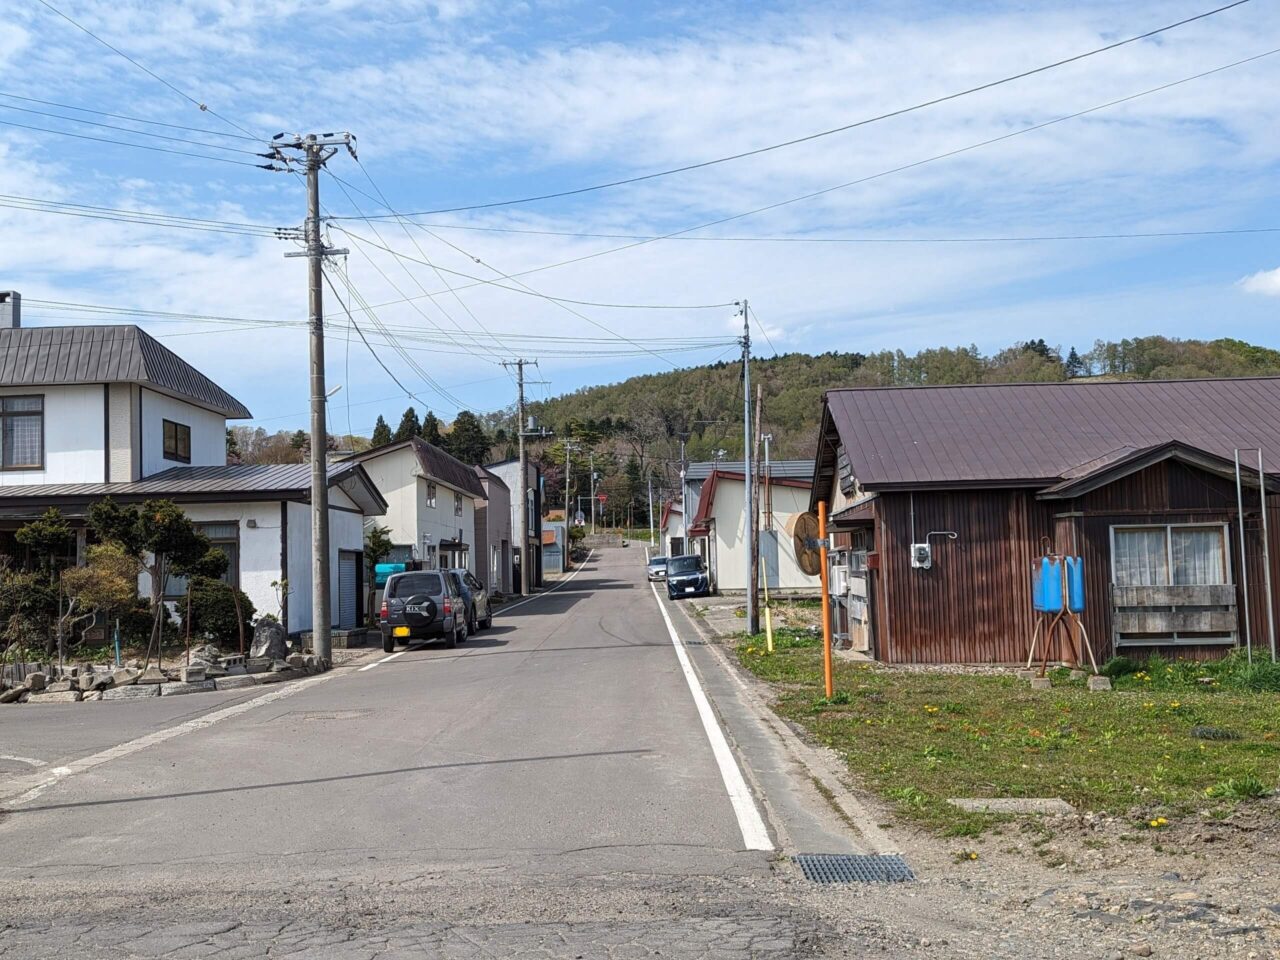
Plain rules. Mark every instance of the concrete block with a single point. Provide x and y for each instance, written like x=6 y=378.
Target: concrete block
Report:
x=258 y=664
x=237 y=670
x=61 y=696
x=90 y=695
x=153 y=674
x=1041 y=683
x=15 y=695
x=1099 y=683
x=194 y=673
x=1012 y=804
x=1026 y=674
x=237 y=683
x=93 y=680
x=175 y=689
x=296 y=660
x=1077 y=674
x=271 y=677
x=131 y=692
x=125 y=676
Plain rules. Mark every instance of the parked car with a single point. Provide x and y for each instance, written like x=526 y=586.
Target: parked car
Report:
x=657 y=568
x=423 y=605
x=687 y=577
x=476 y=594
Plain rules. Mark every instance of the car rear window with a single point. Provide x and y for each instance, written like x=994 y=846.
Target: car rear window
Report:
x=412 y=584
x=689 y=564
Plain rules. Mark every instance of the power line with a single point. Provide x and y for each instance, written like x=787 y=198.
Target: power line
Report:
x=93 y=211
x=204 y=108
x=122 y=116
x=139 y=146
x=140 y=133
x=845 y=127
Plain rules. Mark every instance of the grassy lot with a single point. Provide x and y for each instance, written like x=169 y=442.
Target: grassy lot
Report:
x=1162 y=745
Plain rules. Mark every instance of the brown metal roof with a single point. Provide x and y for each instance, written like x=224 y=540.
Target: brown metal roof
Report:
x=1036 y=434
x=48 y=356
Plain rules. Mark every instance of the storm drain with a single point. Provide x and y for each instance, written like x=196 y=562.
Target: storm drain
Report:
x=854 y=868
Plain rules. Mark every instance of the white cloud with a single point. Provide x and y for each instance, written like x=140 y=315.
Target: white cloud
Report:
x=1265 y=282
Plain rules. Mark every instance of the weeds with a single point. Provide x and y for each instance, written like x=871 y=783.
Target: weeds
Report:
x=1247 y=787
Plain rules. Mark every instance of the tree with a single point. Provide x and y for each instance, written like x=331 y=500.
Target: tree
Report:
x=159 y=536
x=1073 y=365
x=48 y=537
x=409 y=426
x=233 y=447
x=377 y=547
x=431 y=429
x=107 y=582
x=381 y=432
x=299 y=441
x=467 y=440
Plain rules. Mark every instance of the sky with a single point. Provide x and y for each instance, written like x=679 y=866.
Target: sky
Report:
x=464 y=103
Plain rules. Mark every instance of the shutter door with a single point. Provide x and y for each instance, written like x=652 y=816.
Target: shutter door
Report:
x=347 y=590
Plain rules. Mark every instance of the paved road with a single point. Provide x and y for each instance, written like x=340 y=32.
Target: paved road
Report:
x=549 y=789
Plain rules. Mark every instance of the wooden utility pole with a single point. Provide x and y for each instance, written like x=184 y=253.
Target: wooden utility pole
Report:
x=753 y=615
x=753 y=479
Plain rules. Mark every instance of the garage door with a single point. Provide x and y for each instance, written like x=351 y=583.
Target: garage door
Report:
x=348 y=590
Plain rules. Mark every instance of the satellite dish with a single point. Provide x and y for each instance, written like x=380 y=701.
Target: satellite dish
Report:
x=803 y=534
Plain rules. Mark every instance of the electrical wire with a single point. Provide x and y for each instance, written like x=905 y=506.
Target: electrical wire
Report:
x=845 y=127
x=93 y=211
x=761 y=328
x=204 y=108
x=140 y=146
x=122 y=116
x=140 y=133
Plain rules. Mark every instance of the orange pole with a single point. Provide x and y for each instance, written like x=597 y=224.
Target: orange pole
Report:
x=826 y=602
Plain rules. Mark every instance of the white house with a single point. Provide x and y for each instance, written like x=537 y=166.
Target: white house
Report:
x=671 y=530
x=88 y=412
x=431 y=501
x=493 y=532
x=508 y=471
x=718 y=530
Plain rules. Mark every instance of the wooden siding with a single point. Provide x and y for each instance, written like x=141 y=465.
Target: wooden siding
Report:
x=974 y=604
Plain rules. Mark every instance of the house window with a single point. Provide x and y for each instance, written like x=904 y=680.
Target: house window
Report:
x=431 y=495
x=1169 y=556
x=22 y=430
x=224 y=536
x=431 y=560
x=457 y=504
x=177 y=442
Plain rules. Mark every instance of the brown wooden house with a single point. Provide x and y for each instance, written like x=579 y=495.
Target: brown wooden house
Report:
x=1136 y=477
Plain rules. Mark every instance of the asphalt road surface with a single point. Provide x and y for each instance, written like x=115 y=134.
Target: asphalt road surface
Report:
x=560 y=786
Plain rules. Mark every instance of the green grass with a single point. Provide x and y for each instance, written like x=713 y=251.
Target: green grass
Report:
x=919 y=738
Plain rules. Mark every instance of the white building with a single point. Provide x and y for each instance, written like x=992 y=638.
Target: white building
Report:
x=493 y=533
x=88 y=412
x=508 y=471
x=431 y=502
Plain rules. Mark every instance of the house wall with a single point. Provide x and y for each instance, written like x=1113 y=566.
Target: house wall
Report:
x=259 y=546
x=346 y=532
x=398 y=476
x=74 y=424
x=493 y=531
x=729 y=550
x=208 y=433
x=509 y=472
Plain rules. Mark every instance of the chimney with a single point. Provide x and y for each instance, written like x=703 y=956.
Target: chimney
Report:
x=10 y=309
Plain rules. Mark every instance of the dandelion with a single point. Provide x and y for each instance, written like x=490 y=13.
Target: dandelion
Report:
x=1174 y=704
x=930 y=708
x=1157 y=823
x=1148 y=706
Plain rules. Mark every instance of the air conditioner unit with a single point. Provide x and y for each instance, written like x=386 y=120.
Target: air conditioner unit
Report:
x=921 y=556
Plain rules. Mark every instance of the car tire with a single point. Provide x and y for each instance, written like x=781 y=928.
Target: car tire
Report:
x=487 y=622
x=451 y=639
x=388 y=644
x=463 y=633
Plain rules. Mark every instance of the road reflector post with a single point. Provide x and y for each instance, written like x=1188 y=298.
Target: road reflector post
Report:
x=826 y=601
x=768 y=627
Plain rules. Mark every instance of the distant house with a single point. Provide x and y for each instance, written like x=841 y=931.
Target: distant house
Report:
x=431 y=502
x=88 y=412
x=1136 y=477
x=671 y=530
x=718 y=526
x=508 y=471
x=493 y=533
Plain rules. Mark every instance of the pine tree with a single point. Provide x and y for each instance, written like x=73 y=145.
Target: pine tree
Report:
x=409 y=426
x=467 y=440
x=1074 y=365
x=381 y=432
x=299 y=440
x=431 y=429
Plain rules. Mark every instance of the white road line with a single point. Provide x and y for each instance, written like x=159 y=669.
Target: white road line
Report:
x=30 y=787
x=754 y=834
x=370 y=666
x=27 y=760
x=553 y=589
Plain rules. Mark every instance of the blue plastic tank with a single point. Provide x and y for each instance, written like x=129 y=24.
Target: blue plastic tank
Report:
x=1051 y=580
x=1075 y=584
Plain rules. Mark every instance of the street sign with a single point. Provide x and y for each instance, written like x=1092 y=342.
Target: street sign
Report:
x=579 y=517
x=602 y=498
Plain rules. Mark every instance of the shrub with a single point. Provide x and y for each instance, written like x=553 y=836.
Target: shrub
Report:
x=213 y=611
x=1119 y=667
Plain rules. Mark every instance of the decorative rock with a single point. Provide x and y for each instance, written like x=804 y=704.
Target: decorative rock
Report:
x=131 y=692
x=1234 y=931
x=58 y=696
x=14 y=695
x=174 y=689
x=153 y=674
x=258 y=664
x=94 y=681
x=195 y=673
x=1041 y=683
x=269 y=640
x=206 y=653
x=125 y=676
x=1077 y=675
x=91 y=695
x=296 y=660
x=238 y=682
x=58 y=686
x=1099 y=683
x=1140 y=949
x=36 y=681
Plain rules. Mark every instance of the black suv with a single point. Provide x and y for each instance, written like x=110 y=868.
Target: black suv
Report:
x=687 y=577
x=423 y=605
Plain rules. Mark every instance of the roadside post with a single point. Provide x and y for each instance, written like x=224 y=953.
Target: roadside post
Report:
x=826 y=601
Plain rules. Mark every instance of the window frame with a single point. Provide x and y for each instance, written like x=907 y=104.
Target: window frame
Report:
x=233 y=567
x=432 y=493
x=1168 y=529
x=176 y=456
x=457 y=504
x=6 y=414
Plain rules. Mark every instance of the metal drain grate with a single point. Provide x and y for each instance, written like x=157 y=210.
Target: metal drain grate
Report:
x=853 y=868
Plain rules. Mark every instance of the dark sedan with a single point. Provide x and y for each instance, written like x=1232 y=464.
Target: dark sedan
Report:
x=687 y=577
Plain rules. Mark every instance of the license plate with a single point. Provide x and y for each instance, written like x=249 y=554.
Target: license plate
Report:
x=690 y=589
x=400 y=631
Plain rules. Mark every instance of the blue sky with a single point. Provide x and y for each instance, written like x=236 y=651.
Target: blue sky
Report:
x=470 y=101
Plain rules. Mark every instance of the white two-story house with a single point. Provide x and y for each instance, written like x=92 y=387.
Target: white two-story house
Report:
x=88 y=412
x=431 y=502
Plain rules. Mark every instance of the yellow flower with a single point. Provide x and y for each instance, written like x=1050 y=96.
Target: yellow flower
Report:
x=1148 y=706
x=1157 y=823
x=1174 y=704
x=973 y=854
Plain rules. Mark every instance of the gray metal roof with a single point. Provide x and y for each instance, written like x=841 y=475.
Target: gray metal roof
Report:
x=1040 y=433
x=782 y=469
x=49 y=356
x=435 y=463
x=235 y=481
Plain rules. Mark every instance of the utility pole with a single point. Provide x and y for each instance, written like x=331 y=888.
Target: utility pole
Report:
x=564 y=556
x=753 y=615
x=523 y=429
x=684 y=503
x=315 y=151
x=652 y=542
x=753 y=480
x=593 y=491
